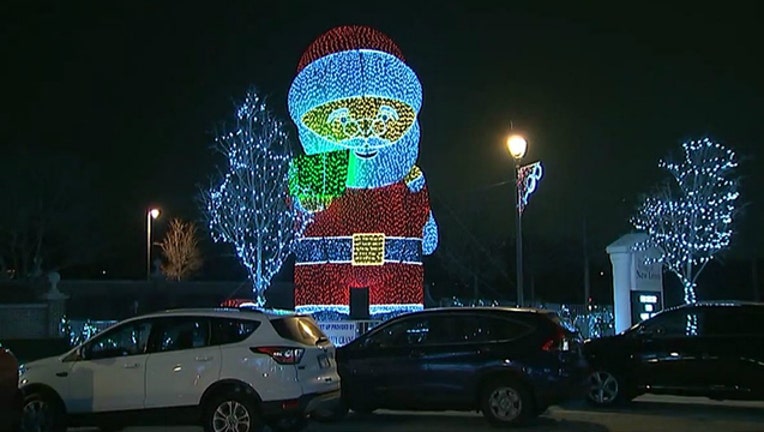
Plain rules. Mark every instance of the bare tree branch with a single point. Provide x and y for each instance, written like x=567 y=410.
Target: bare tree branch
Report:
x=181 y=251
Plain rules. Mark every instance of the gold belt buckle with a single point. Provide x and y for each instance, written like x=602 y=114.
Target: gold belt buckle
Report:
x=368 y=249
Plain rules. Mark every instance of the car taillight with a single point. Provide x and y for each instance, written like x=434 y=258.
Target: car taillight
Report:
x=282 y=355
x=559 y=342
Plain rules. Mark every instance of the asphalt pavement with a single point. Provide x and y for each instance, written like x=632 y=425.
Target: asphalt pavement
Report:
x=645 y=414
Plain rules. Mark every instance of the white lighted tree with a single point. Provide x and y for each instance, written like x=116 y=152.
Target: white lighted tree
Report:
x=688 y=219
x=248 y=204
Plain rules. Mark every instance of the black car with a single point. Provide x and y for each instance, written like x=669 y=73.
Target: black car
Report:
x=713 y=349
x=511 y=364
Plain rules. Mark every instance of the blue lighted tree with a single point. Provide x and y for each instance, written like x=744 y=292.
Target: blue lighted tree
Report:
x=689 y=218
x=248 y=203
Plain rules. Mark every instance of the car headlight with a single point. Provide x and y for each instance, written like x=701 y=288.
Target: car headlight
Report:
x=22 y=370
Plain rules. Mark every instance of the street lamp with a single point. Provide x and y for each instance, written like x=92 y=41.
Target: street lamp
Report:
x=150 y=216
x=517 y=146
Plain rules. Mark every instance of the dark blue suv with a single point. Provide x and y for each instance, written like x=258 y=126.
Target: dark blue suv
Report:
x=511 y=364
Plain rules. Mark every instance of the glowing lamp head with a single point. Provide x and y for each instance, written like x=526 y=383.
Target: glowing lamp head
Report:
x=154 y=213
x=517 y=146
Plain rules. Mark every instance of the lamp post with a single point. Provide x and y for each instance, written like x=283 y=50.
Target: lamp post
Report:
x=517 y=146
x=150 y=216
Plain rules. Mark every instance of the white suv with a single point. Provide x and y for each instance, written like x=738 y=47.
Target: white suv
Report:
x=228 y=369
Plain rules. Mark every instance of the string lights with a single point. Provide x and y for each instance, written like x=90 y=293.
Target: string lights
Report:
x=689 y=219
x=248 y=205
x=355 y=103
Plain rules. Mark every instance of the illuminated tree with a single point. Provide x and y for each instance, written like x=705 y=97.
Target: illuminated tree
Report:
x=689 y=218
x=248 y=204
x=180 y=247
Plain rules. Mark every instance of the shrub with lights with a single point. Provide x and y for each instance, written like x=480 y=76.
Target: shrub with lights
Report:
x=689 y=219
x=355 y=103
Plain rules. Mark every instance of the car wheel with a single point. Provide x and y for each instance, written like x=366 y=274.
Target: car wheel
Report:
x=233 y=411
x=42 y=413
x=506 y=403
x=289 y=424
x=606 y=389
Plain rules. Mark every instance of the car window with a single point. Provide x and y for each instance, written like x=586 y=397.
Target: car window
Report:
x=504 y=328
x=675 y=323
x=469 y=328
x=298 y=329
x=127 y=339
x=414 y=331
x=227 y=331
x=479 y=328
x=734 y=321
x=175 y=334
x=391 y=334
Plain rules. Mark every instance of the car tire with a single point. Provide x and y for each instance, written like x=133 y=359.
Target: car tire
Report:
x=507 y=402
x=607 y=388
x=42 y=413
x=232 y=411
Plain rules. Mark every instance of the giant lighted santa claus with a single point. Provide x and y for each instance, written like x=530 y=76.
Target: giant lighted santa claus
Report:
x=355 y=103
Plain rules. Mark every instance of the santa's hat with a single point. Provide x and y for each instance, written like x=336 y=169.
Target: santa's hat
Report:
x=349 y=61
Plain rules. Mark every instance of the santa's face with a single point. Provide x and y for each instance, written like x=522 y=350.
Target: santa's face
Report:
x=380 y=133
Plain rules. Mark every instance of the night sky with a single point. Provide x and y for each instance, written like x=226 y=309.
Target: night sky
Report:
x=134 y=90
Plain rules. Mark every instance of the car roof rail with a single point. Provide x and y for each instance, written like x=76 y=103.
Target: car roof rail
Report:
x=251 y=307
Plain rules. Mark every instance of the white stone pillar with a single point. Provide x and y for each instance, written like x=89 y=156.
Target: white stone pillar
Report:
x=622 y=277
x=632 y=275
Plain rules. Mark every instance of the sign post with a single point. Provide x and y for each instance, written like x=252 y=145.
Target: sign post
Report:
x=637 y=285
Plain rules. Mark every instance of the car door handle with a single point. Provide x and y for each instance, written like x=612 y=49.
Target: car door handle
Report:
x=62 y=374
x=131 y=365
x=204 y=358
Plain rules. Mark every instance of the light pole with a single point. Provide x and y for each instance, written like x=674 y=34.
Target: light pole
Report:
x=150 y=216
x=517 y=146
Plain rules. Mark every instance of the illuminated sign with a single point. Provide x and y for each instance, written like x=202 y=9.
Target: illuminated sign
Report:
x=339 y=332
x=644 y=305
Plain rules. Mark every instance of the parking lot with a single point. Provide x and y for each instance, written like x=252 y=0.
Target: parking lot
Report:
x=645 y=414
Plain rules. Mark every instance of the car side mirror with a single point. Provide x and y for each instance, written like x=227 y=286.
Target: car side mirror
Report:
x=76 y=355
x=81 y=353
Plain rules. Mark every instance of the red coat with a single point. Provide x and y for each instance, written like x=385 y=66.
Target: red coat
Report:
x=393 y=210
